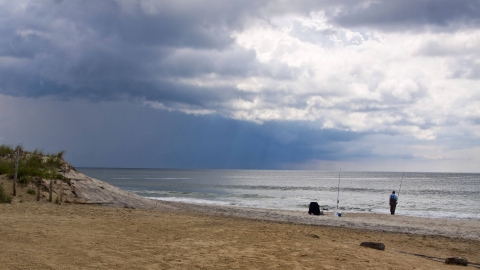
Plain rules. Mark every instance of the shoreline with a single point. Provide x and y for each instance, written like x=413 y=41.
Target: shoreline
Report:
x=87 y=190
x=328 y=212
x=453 y=228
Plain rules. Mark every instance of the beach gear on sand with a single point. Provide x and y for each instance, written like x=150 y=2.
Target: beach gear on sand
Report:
x=314 y=209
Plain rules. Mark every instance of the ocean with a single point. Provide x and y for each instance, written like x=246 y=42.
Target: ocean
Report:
x=434 y=195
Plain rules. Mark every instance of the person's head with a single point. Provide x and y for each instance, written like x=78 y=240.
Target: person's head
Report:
x=393 y=192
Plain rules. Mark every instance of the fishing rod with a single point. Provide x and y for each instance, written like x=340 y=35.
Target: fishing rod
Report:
x=338 y=189
x=400 y=185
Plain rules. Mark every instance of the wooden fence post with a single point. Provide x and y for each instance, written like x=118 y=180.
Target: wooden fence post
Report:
x=51 y=189
x=37 y=182
x=15 y=173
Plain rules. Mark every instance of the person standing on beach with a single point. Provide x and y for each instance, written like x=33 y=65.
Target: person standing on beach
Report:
x=393 y=202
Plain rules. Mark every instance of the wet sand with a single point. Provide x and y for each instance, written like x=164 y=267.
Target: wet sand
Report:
x=185 y=236
x=455 y=228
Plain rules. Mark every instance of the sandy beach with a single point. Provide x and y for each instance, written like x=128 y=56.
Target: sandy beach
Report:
x=186 y=236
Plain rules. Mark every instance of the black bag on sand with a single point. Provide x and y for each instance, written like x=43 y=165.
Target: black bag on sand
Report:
x=314 y=209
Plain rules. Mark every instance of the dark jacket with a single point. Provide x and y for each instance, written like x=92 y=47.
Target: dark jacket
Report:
x=393 y=199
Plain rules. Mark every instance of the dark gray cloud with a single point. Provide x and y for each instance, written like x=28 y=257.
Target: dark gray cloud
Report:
x=104 y=50
x=409 y=15
x=191 y=63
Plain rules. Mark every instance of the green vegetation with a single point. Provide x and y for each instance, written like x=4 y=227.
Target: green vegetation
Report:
x=4 y=198
x=31 y=164
x=31 y=191
x=6 y=150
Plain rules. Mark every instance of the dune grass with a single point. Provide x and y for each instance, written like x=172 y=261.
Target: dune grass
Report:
x=31 y=164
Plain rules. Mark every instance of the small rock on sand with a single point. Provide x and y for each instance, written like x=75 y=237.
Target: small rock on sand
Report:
x=457 y=261
x=374 y=245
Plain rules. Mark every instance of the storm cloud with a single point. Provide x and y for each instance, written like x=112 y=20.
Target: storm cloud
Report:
x=385 y=72
x=409 y=15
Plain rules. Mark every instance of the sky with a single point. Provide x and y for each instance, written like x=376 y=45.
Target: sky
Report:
x=327 y=85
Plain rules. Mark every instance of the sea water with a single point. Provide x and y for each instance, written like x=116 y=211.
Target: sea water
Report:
x=436 y=195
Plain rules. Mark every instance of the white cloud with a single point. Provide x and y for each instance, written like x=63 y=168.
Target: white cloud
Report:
x=179 y=107
x=368 y=86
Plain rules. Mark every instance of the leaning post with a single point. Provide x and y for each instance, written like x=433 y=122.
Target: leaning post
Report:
x=37 y=182
x=15 y=173
x=51 y=189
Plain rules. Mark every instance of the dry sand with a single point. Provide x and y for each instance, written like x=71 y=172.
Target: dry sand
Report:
x=42 y=235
